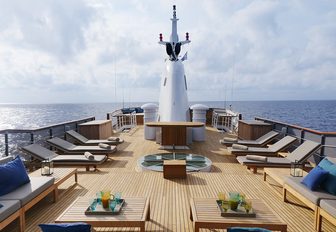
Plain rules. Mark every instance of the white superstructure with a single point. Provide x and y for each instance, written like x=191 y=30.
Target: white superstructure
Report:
x=173 y=103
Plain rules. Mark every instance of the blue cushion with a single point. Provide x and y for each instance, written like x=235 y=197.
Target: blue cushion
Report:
x=242 y=229
x=325 y=164
x=314 y=178
x=13 y=175
x=66 y=227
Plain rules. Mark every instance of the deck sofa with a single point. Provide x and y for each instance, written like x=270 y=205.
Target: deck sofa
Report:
x=18 y=201
x=323 y=203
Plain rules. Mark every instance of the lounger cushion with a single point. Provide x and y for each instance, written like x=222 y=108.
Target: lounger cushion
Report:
x=13 y=175
x=97 y=159
x=313 y=196
x=315 y=178
x=29 y=191
x=329 y=184
x=329 y=206
x=245 y=229
x=8 y=208
x=66 y=227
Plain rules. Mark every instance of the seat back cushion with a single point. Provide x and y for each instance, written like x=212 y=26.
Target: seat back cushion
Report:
x=13 y=175
x=329 y=184
x=66 y=227
x=315 y=178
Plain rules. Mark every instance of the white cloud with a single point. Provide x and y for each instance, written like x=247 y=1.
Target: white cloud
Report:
x=79 y=50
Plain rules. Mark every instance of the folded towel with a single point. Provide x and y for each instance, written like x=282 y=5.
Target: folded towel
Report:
x=88 y=155
x=239 y=147
x=257 y=158
x=117 y=139
x=229 y=139
x=105 y=146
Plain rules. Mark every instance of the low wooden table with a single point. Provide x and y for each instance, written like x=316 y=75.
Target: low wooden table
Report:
x=205 y=214
x=60 y=175
x=174 y=169
x=278 y=174
x=135 y=212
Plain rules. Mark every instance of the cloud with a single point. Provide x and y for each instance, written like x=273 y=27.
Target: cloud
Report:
x=86 y=50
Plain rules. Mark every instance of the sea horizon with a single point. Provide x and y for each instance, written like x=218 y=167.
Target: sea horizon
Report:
x=314 y=114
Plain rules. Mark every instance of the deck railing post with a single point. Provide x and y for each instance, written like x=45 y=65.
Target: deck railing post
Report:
x=6 y=144
x=50 y=133
x=302 y=134
x=31 y=137
x=322 y=150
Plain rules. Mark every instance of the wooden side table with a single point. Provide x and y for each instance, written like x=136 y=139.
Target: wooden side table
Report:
x=174 y=169
x=252 y=129
x=98 y=129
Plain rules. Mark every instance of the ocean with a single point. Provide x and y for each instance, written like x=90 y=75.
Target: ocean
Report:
x=318 y=115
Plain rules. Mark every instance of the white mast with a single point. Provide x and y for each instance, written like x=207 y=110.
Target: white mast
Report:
x=173 y=105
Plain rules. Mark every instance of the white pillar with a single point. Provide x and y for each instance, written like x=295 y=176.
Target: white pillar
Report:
x=150 y=115
x=199 y=115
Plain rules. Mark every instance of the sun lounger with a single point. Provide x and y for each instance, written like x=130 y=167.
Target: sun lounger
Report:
x=85 y=141
x=300 y=155
x=272 y=150
x=260 y=142
x=41 y=153
x=70 y=148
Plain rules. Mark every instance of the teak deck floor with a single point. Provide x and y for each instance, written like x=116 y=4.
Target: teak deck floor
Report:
x=169 y=199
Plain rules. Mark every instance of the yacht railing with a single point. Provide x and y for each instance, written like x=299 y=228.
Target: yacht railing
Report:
x=326 y=139
x=225 y=120
x=11 y=140
x=121 y=121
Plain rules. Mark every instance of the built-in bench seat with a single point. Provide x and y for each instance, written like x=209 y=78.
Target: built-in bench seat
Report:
x=327 y=210
x=17 y=202
x=9 y=211
x=322 y=202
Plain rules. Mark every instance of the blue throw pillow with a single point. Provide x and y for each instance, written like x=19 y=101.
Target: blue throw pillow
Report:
x=315 y=178
x=13 y=175
x=325 y=164
x=66 y=227
x=242 y=229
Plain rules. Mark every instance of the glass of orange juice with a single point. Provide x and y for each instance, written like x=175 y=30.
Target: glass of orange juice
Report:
x=106 y=195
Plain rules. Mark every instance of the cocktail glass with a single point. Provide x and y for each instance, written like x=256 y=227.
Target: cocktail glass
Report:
x=113 y=204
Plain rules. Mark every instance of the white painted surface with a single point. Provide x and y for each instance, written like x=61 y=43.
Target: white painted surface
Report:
x=150 y=115
x=199 y=115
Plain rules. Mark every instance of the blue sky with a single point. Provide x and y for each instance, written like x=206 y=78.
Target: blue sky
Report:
x=55 y=51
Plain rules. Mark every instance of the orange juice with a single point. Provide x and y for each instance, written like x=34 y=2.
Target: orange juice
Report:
x=106 y=199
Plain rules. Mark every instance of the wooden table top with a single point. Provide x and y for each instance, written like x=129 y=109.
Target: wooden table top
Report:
x=59 y=173
x=134 y=210
x=171 y=124
x=206 y=210
x=95 y=122
x=174 y=162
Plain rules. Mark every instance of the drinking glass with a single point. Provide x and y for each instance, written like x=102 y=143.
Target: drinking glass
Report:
x=99 y=197
x=106 y=198
x=117 y=197
x=248 y=205
x=221 y=196
x=93 y=204
x=113 y=204
x=225 y=205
